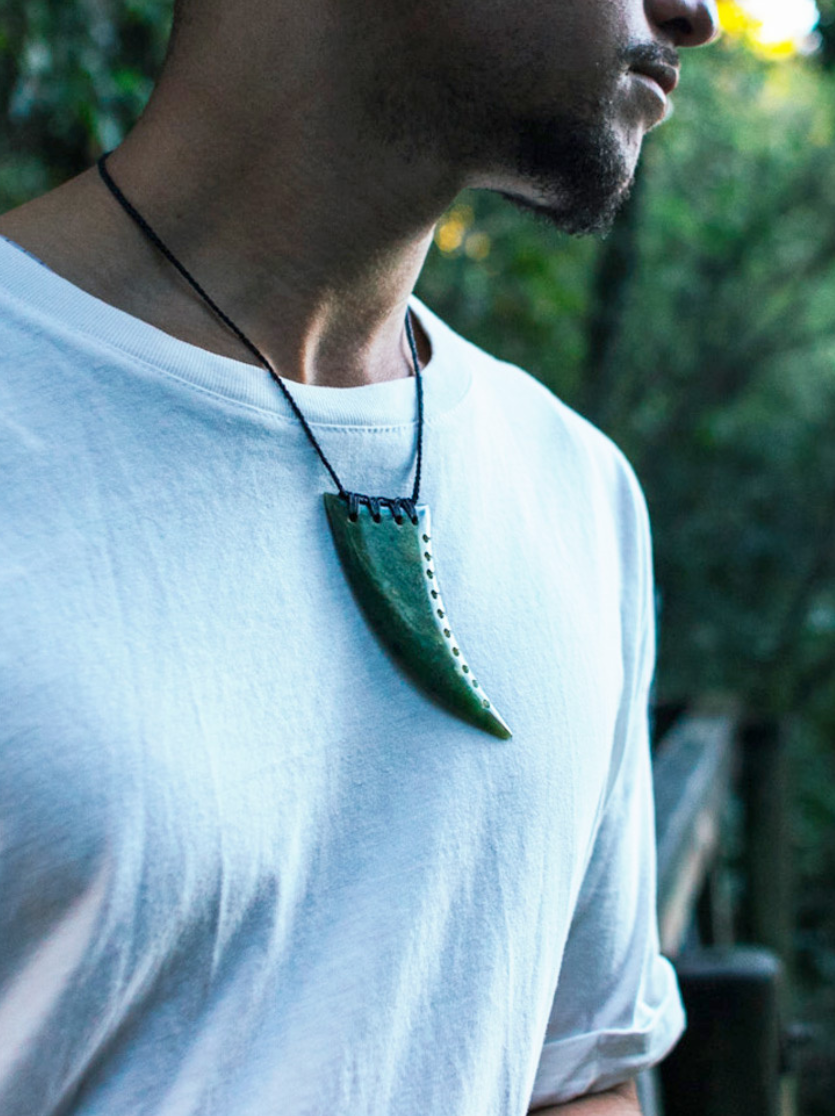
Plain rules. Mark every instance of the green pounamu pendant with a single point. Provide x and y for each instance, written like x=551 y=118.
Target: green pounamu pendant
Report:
x=387 y=557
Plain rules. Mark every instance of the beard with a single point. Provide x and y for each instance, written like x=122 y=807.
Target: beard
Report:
x=567 y=167
x=579 y=174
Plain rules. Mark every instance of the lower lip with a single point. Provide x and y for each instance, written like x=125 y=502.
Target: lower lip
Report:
x=652 y=86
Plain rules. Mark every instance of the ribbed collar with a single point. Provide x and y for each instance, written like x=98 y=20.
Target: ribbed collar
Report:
x=60 y=306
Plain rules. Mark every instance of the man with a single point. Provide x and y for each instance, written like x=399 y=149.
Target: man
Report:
x=251 y=863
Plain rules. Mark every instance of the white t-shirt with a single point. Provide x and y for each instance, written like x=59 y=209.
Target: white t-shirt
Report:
x=246 y=867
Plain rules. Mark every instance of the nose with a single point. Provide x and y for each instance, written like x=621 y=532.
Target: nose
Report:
x=686 y=23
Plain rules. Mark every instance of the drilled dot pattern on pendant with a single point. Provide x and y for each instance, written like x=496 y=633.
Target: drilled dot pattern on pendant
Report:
x=442 y=615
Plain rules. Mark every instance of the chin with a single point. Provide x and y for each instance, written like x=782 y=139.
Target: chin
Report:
x=583 y=216
x=574 y=174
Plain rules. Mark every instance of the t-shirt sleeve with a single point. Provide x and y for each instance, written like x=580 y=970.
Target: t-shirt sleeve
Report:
x=617 y=1009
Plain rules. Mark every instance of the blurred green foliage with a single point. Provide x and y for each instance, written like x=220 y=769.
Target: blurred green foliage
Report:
x=74 y=75
x=699 y=335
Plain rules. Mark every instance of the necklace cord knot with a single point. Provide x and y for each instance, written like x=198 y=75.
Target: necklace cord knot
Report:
x=397 y=505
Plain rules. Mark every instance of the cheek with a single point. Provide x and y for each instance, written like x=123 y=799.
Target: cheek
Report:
x=535 y=41
x=504 y=60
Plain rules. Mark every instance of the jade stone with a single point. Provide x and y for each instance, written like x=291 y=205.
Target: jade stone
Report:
x=391 y=570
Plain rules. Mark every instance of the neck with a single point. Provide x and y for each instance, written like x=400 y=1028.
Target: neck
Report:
x=305 y=233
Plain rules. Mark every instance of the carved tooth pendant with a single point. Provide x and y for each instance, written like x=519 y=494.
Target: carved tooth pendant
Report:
x=390 y=568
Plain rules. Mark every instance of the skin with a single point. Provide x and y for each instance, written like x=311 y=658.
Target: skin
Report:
x=296 y=157
x=622 y=1100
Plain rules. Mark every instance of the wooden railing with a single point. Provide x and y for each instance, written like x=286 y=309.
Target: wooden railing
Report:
x=719 y=781
x=695 y=768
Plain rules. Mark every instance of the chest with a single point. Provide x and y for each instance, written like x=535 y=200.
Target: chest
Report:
x=196 y=695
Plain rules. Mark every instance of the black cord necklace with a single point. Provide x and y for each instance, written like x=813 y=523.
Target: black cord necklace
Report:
x=387 y=558
x=352 y=498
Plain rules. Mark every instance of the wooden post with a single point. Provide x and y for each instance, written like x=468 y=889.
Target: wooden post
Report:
x=767 y=913
x=714 y=910
x=728 y=1061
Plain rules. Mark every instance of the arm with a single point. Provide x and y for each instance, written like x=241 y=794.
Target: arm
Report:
x=617 y=1009
x=622 y=1100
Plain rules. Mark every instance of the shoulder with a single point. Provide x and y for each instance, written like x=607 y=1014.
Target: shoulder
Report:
x=28 y=333
x=571 y=450
x=554 y=438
